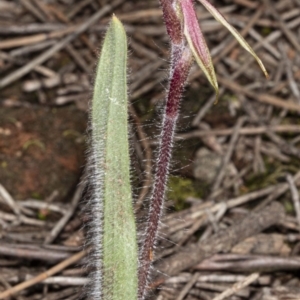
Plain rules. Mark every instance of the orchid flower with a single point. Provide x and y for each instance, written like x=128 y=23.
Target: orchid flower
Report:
x=192 y=34
x=187 y=42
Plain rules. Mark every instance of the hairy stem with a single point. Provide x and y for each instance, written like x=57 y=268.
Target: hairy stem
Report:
x=180 y=67
x=172 y=22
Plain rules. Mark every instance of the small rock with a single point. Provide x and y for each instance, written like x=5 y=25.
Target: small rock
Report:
x=206 y=165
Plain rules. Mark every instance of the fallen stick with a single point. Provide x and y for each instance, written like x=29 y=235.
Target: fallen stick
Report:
x=59 y=267
x=238 y=286
x=221 y=242
x=249 y=263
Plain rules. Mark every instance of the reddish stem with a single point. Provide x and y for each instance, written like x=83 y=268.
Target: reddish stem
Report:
x=180 y=67
x=172 y=21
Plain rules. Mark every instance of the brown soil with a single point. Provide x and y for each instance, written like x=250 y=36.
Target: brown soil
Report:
x=41 y=150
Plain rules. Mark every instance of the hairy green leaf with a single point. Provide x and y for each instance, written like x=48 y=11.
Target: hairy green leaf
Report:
x=112 y=190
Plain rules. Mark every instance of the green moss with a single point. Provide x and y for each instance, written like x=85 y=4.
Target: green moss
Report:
x=36 y=195
x=258 y=181
x=34 y=142
x=288 y=206
x=42 y=216
x=274 y=171
x=265 y=31
x=180 y=189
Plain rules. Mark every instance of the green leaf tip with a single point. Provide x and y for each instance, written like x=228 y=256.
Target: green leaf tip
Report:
x=113 y=217
x=114 y=19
